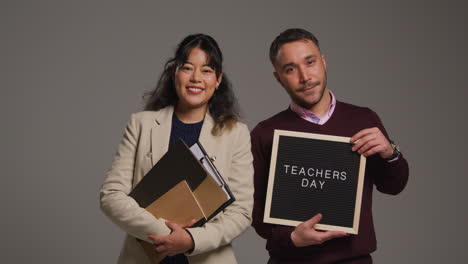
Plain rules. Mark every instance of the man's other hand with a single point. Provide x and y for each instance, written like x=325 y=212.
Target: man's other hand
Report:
x=305 y=234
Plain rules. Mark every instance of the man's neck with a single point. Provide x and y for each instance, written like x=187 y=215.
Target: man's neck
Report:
x=321 y=108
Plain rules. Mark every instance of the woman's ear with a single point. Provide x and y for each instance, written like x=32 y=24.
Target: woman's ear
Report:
x=220 y=78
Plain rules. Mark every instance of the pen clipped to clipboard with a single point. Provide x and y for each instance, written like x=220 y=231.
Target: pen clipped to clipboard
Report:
x=207 y=162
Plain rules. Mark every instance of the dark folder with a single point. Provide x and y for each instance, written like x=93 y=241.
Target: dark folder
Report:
x=183 y=185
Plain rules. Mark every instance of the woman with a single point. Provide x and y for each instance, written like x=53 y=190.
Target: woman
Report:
x=193 y=100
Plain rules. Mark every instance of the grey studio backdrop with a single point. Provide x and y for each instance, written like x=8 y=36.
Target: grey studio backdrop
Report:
x=72 y=72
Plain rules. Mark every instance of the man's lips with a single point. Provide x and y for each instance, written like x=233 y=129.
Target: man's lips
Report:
x=308 y=86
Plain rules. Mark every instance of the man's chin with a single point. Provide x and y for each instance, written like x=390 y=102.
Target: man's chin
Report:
x=308 y=102
x=305 y=104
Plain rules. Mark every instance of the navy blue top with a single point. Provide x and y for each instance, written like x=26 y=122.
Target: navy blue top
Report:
x=189 y=133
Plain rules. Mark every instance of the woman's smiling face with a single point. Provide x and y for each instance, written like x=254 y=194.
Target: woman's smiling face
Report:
x=195 y=80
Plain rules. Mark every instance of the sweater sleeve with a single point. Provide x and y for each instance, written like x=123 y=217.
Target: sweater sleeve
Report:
x=277 y=235
x=388 y=177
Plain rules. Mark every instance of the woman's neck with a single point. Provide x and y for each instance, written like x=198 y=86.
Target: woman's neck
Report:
x=190 y=115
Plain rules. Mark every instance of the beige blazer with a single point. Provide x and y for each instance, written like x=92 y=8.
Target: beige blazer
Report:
x=145 y=141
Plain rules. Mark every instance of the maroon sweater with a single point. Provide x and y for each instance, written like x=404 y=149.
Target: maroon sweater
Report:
x=388 y=177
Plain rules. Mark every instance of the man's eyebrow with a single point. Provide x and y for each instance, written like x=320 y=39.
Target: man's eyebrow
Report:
x=310 y=57
x=287 y=65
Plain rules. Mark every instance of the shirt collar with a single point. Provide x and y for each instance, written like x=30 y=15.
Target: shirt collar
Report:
x=311 y=117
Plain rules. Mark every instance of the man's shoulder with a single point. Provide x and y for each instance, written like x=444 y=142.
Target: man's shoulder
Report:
x=273 y=121
x=354 y=115
x=353 y=112
x=351 y=108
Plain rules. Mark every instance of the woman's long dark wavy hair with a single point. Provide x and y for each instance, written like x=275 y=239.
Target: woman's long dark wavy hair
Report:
x=222 y=106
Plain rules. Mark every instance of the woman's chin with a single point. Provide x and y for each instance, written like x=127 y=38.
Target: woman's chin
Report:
x=193 y=104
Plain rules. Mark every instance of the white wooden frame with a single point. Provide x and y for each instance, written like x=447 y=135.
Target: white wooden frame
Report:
x=271 y=179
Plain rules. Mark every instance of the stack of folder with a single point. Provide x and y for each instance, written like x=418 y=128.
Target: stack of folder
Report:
x=183 y=185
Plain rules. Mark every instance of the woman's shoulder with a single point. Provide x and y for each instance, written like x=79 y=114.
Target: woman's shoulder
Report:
x=151 y=116
x=144 y=115
x=241 y=125
x=238 y=128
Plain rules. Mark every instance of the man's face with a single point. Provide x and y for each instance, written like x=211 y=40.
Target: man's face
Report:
x=301 y=69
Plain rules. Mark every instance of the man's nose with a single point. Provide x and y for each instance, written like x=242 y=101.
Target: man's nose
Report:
x=303 y=75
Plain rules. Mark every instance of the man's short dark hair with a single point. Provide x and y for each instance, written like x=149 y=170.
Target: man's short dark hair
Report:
x=287 y=36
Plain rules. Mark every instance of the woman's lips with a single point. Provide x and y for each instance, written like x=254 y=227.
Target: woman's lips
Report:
x=195 y=89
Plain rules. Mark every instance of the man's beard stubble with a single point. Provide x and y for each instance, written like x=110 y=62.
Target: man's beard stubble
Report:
x=308 y=84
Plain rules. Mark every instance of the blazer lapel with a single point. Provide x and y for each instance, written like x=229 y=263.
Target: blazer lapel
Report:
x=161 y=133
x=206 y=138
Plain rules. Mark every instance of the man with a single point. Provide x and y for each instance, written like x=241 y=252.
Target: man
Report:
x=301 y=69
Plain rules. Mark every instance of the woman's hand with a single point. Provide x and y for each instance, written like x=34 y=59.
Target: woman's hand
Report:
x=178 y=241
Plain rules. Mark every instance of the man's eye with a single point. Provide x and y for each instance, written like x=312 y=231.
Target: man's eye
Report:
x=310 y=62
x=207 y=70
x=288 y=70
